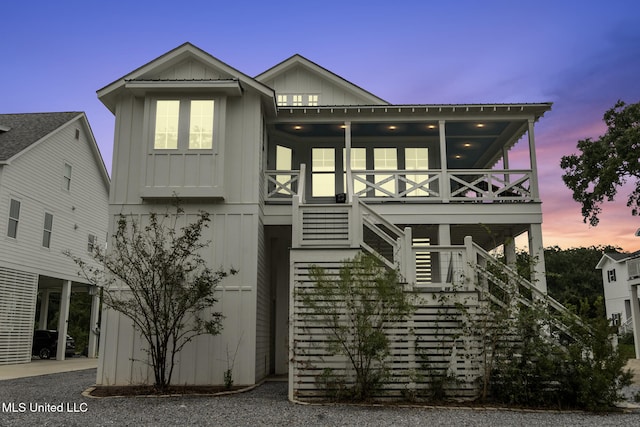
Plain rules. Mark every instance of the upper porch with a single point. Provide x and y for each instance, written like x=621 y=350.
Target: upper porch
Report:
x=420 y=154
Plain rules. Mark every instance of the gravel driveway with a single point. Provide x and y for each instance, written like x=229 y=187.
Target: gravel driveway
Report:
x=30 y=401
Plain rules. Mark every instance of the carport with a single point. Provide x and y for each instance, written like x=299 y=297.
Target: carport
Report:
x=48 y=286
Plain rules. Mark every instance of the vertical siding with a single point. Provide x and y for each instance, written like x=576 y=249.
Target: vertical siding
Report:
x=263 y=314
x=234 y=244
x=35 y=178
x=299 y=80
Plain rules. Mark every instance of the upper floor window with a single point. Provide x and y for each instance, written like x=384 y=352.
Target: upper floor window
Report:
x=282 y=100
x=183 y=123
x=92 y=240
x=66 y=181
x=312 y=100
x=48 y=228
x=611 y=275
x=296 y=100
x=14 y=218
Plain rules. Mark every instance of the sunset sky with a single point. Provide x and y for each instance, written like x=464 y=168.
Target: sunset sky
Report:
x=581 y=55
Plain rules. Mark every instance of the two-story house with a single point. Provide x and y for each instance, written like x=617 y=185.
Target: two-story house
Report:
x=620 y=279
x=298 y=166
x=53 y=198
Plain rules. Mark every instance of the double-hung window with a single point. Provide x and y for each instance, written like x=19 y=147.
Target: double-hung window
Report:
x=48 y=228
x=66 y=181
x=14 y=218
x=184 y=124
x=92 y=241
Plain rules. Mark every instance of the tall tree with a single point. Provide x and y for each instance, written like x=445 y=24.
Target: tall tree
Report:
x=607 y=163
x=154 y=275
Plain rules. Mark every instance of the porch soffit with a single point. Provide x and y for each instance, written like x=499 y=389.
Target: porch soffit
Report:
x=475 y=138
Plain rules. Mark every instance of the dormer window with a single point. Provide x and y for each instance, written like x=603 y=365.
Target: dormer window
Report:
x=184 y=123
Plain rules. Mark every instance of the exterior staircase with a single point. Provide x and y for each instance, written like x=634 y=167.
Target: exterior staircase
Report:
x=442 y=278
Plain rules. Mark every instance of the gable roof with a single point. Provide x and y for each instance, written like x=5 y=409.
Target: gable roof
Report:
x=23 y=130
x=299 y=60
x=20 y=132
x=616 y=257
x=108 y=94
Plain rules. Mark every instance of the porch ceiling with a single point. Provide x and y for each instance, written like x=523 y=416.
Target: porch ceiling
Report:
x=470 y=144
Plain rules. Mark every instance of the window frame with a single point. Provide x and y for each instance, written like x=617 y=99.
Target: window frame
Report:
x=611 y=275
x=66 y=178
x=92 y=242
x=47 y=233
x=15 y=219
x=184 y=123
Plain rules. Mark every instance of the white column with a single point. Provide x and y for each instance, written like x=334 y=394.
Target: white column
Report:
x=63 y=319
x=510 y=251
x=536 y=252
x=44 y=309
x=445 y=185
x=94 y=327
x=635 y=317
x=347 y=160
x=534 y=163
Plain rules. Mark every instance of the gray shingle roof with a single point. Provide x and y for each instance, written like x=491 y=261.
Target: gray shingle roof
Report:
x=26 y=129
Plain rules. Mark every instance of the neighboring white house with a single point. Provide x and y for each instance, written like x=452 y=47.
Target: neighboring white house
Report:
x=53 y=198
x=620 y=278
x=298 y=166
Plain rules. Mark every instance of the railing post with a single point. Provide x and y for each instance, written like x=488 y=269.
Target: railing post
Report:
x=302 y=180
x=470 y=267
x=408 y=258
x=296 y=223
x=355 y=223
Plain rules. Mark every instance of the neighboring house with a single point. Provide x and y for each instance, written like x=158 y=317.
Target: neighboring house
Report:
x=53 y=198
x=298 y=166
x=620 y=278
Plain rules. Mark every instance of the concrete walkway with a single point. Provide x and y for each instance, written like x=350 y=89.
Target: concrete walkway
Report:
x=44 y=367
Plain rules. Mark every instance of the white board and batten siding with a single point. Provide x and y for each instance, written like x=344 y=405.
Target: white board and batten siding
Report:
x=300 y=80
x=234 y=244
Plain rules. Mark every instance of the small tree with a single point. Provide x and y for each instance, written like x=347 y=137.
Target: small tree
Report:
x=154 y=275
x=355 y=307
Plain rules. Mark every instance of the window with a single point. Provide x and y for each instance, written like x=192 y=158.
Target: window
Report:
x=282 y=100
x=91 y=243
x=201 y=125
x=323 y=167
x=170 y=120
x=48 y=227
x=283 y=163
x=296 y=100
x=14 y=218
x=313 y=100
x=66 y=182
x=416 y=159
x=611 y=275
x=385 y=159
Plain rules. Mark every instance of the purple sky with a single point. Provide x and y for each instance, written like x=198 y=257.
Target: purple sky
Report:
x=580 y=55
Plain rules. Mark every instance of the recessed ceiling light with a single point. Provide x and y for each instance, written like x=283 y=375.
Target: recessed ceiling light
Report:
x=467 y=145
x=480 y=125
x=458 y=156
x=297 y=127
x=343 y=126
x=392 y=127
x=431 y=126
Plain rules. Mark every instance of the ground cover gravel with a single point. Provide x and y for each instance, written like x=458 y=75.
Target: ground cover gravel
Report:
x=36 y=401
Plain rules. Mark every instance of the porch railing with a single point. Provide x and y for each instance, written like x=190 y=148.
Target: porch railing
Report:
x=281 y=185
x=434 y=185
